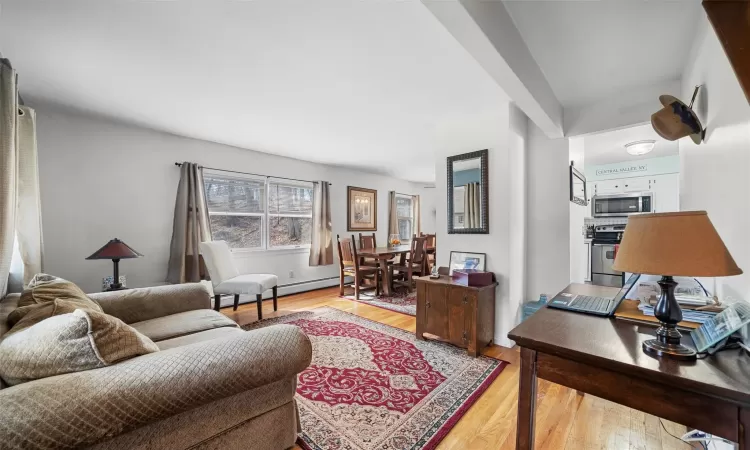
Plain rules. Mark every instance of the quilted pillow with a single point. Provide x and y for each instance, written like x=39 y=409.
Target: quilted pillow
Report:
x=39 y=297
x=65 y=343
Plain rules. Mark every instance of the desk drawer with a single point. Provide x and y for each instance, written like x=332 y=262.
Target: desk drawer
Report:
x=695 y=410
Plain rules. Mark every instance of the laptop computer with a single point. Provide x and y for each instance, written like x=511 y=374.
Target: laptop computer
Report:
x=600 y=306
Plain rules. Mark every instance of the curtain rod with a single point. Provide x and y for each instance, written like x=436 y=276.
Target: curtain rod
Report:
x=256 y=174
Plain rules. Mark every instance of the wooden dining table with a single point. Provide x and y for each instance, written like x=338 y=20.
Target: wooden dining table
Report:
x=382 y=255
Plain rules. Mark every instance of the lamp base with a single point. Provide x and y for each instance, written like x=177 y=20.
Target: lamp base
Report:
x=658 y=349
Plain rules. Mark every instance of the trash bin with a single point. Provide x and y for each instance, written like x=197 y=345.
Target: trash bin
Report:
x=530 y=308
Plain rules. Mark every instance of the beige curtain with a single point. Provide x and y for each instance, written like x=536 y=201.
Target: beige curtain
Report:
x=29 y=208
x=417 y=215
x=472 y=207
x=191 y=226
x=8 y=168
x=321 y=247
x=392 y=214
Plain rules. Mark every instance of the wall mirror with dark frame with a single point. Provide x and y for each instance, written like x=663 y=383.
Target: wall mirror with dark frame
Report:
x=468 y=193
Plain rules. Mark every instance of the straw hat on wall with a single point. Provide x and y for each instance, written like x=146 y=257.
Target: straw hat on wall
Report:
x=677 y=120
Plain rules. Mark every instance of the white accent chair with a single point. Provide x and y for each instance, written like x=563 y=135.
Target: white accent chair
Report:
x=226 y=279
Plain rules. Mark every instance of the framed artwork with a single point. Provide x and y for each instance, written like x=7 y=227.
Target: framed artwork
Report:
x=466 y=260
x=362 y=209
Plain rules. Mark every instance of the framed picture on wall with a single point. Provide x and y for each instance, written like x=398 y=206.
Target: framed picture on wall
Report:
x=361 y=209
x=466 y=260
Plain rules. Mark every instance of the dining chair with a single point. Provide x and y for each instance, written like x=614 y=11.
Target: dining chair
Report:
x=430 y=250
x=413 y=265
x=367 y=241
x=349 y=266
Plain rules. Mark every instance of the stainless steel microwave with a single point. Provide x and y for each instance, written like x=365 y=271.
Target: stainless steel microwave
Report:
x=618 y=205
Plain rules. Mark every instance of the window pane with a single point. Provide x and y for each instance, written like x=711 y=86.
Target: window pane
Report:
x=403 y=206
x=286 y=231
x=238 y=231
x=226 y=194
x=285 y=199
x=404 y=229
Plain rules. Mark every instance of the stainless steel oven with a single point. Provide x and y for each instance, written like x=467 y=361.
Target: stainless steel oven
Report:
x=618 y=205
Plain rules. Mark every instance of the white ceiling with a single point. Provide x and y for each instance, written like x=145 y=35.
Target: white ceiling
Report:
x=363 y=84
x=609 y=147
x=589 y=50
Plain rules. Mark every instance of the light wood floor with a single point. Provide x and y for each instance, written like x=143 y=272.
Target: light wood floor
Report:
x=564 y=419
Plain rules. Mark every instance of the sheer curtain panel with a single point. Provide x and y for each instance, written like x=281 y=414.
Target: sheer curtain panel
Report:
x=8 y=168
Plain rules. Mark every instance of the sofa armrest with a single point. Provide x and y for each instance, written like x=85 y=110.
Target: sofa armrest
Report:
x=136 y=305
x=82 y=408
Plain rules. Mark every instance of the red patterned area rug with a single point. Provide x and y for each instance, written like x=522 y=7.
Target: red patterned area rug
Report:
x=400 y=302
x=372 y=386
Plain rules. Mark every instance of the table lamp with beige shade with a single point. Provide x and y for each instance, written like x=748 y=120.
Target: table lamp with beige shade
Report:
x=672 y=244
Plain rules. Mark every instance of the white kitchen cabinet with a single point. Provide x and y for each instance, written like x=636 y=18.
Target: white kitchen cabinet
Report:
x=666 y=190
x=638 y=184
x=607 y=187
x=588 y=261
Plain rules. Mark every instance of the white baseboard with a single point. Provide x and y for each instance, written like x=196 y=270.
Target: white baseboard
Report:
x=296 y=288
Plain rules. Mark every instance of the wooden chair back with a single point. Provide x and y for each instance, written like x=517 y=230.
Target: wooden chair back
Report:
x=347 y=252
x=431 y=240
x=417 y=249
x=367 y=241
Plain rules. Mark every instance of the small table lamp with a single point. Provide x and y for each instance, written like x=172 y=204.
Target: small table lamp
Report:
x=672 y=244
x=115 y=250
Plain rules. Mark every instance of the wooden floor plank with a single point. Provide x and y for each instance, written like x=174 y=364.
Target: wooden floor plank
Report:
x=565 y=420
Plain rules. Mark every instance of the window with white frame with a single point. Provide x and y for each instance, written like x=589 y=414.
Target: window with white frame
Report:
x=255 y=213
x=405 y=216
x=289 y=215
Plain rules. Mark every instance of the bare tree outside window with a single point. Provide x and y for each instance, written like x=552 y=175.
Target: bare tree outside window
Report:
x=253 y=213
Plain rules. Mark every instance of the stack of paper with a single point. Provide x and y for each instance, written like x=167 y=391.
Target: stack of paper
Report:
x=689 y=315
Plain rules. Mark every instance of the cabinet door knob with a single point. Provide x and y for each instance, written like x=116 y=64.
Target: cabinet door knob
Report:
x=428 y=304
x=465 y=300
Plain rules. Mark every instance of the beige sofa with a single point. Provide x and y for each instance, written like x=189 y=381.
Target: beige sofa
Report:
x=212 y=385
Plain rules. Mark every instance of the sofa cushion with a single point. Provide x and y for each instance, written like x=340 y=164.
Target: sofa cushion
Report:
x=40 y=295
x=65 y=343
x=183 y=323
x=201 y=336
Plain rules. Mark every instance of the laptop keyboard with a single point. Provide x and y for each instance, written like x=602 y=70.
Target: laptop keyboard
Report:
x=588 y=303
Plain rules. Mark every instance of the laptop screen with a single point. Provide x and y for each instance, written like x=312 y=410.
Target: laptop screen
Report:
x=627 y=287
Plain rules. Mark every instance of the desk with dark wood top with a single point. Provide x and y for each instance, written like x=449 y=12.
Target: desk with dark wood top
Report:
x=603 y=357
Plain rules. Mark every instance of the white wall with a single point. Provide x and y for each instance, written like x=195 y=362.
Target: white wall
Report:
x=578 y=253
x=101 y=179
x=509 y=314
x=428 y=203
x=548 y=217
x=492 y=132
x=713 y=175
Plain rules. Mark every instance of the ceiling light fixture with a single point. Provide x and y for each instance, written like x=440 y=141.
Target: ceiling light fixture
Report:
x=640 y=147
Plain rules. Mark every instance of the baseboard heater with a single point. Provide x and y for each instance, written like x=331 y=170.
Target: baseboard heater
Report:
x=285 y=289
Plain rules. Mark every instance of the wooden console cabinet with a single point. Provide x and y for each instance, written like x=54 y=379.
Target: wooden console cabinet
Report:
x=461 y=315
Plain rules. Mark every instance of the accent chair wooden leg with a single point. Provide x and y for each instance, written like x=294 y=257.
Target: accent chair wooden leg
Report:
x=217 y=302
x=236 y=301
x=259 y=301
x=526 y=400
x=275 y=298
